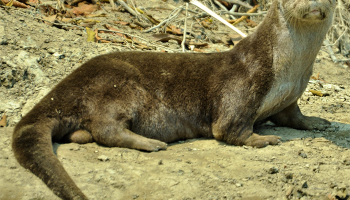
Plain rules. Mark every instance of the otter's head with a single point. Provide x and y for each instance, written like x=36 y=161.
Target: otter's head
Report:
x=307 y=10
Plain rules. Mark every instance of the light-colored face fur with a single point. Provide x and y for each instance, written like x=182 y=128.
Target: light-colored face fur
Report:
x=307 y=10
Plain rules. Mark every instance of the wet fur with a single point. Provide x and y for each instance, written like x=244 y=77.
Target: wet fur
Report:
x=136 y=100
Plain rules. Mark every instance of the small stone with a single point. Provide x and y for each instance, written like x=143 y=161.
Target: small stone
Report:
x=103 y=158
x=160 y=162
x=302 y=154
x=332 y=185
x=304 y=185
x=289 y=175
x=289 y=191
x=273 y=170
x=239 y=184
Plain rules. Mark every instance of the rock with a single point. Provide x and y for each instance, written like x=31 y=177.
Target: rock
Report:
x=273 y=170
x=304 y=185
x=239 y=184
x=302 y=154
x=103 y=158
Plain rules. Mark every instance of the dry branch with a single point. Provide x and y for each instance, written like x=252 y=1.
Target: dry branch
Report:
x=131 y=11
x=178 y=10
x=243 y=14
x=331 y=53
x=134 y=36
x=245 y=17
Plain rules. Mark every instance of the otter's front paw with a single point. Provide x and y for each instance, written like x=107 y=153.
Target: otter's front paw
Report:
x=260 y=141
x=314 y=123
x=155 y=145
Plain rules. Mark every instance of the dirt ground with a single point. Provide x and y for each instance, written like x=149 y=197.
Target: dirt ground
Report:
x=306 y=165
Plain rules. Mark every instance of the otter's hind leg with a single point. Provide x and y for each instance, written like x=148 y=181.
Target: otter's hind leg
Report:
x=112 y=134
x=292 y=117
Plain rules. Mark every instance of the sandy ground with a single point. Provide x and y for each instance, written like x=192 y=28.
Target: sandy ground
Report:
x=307 y=165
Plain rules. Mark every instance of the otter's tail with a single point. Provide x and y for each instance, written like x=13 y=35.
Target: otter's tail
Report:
x=32 y=146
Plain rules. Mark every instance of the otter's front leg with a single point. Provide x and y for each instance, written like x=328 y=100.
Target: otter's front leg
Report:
x=292 y=117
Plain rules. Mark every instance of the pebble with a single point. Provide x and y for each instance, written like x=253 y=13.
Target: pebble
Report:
x=103 y=158
x=273 y=170
x=239 y=184
x=304 y=185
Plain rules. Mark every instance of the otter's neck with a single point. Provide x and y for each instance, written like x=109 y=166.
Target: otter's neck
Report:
x=298 y=42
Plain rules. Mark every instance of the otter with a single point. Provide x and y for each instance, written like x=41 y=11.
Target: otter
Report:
x=143 y=100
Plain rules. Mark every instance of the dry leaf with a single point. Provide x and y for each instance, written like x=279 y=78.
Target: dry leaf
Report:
x=3 y=121
x=121 y=22
x=50 y=19
x=199 y=50
x=251 y=23
x=69 y=20
x=174 y=30
x=114 y=29
x=330 y=197
x=84 y=9
x=97 y=15
x=15 y=4
x=317 y=93
x=96 y=35
x=90 y=35
x=226 y=4
x=164 y=37
x=197 y=44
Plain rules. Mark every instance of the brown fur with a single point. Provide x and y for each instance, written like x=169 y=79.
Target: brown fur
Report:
x=142 y=100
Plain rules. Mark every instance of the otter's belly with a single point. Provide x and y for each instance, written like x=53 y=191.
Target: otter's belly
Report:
x=168 y=125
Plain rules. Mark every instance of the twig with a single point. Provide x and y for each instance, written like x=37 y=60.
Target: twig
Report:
x=59 y=24
x=245 y=17
x=137 y=13
x=239 y=3
x=185 y=30
x=131 y=11
x=164 y=21
x=331 y=53
x=201 y=6
x=224 y=9
x=156 y=45
x=220 y=5
x=243 y=14
x=112 y=4
x=341 y=35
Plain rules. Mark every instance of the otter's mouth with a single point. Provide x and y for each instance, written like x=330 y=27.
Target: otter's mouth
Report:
x=314 y=14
